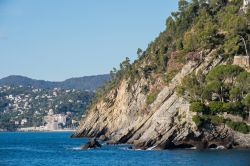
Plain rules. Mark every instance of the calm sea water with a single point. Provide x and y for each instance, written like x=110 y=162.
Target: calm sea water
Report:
x=52 y=149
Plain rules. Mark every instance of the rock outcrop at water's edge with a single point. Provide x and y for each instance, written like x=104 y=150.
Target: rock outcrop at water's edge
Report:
x=165 y=124
x=93 y=143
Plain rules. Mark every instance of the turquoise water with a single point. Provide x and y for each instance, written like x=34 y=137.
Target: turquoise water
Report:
x=52 y=149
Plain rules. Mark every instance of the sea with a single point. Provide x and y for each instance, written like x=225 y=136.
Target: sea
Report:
x=58 y=149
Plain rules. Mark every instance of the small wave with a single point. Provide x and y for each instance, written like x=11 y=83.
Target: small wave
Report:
x=129 y=148
x=193 y=148
x=220 y=147
x=134 y=149
x=151 y=148
x=10 y=148
x=123 y=148
x=30 y=149
x=75 y=148
x=137 y=149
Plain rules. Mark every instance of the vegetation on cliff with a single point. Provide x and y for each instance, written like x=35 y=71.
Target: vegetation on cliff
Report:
x=198 y=26
x=225 y=89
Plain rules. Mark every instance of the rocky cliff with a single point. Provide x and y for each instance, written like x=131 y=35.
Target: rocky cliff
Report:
x=164 y=124
x=141 y=105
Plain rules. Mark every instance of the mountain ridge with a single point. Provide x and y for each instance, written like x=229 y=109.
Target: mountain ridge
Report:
x=81 y=83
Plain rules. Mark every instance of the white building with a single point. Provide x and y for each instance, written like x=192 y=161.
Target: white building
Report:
x=51 y=112
x=53 y=121
x=245 y=5
x=52 y=126
x=24 y=121
x=61 y=119
x=11 y=97
x=246 y=2
x=54 y=93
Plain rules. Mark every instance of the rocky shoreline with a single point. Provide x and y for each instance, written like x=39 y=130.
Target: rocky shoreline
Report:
x=223 y=140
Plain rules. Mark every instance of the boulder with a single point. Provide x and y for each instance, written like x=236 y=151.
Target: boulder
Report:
x=111 y=142
x=103 y=138
x=140 y=145
x=91 y=144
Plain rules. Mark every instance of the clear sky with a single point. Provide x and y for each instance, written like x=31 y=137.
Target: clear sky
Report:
x=59 y=39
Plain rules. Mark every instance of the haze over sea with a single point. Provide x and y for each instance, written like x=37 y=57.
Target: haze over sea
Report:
x=48 y=149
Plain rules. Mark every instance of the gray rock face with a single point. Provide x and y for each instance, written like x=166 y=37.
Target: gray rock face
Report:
x=91 y=144
x=165 y=124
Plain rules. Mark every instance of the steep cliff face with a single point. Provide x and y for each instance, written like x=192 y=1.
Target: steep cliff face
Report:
x=166 y=123
x=141 y=105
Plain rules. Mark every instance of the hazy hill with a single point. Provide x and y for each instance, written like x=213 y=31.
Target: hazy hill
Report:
x=81 y=83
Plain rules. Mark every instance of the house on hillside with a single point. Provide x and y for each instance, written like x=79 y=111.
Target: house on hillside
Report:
x=242 y=61
x=245 y=5
x=54 y=121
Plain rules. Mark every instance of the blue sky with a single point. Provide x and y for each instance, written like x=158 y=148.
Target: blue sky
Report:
x=58 y=39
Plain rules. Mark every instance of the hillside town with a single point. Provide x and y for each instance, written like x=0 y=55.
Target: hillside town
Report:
x=28 y=108
x=54 y=122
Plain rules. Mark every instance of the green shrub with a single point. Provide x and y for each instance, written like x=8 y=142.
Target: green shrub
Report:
x=215 y=107
x=148 y=70
x=238 y=126
x=235 y=108
x=217 y=120
x=198 y=107
x=167 y=78
x=180 y=90
x=198 y=120
x=151 y=97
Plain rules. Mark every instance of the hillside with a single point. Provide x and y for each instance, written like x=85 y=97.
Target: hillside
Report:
x=25 y=102
x=183 y=91
x=81 y=83
x=22 y=107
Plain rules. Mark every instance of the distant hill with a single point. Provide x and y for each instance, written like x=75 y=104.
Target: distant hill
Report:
x=85 y=83
x=80 y=83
